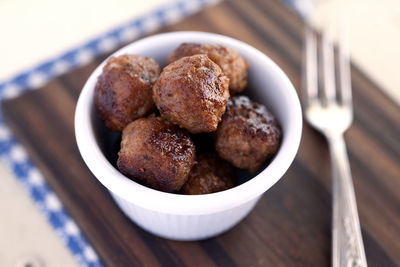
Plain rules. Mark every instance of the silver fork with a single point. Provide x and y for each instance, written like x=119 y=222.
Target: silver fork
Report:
x=332 y=118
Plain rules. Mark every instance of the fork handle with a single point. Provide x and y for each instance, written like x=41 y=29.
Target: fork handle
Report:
x=347 y=243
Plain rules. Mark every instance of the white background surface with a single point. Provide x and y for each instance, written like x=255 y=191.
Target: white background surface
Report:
x=33 y=31
x=374 y=34
x=24 y=232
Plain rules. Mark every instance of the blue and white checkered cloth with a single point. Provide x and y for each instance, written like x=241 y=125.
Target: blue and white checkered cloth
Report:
x=15 y=155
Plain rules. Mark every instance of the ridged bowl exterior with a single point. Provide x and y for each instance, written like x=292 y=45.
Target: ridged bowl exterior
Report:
x=184 y=227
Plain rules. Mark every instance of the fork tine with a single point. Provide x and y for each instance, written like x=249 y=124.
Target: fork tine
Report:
x=310 y=68
x=328 y=65
x=344 y=67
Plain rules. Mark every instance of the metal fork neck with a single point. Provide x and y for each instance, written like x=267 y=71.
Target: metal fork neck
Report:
x=348 y=248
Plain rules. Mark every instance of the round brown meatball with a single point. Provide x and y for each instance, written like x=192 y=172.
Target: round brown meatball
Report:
x=192 y=92
x=123 y=91
x=210 y=174
x=247 y=135
x=156 y=154
x=231 y=63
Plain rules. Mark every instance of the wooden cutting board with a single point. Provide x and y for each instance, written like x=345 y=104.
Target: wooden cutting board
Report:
x=291 y=225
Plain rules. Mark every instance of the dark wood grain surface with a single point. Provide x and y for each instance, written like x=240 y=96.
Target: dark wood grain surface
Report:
x=291 y=224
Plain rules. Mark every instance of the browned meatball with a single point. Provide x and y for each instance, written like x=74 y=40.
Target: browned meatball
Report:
x=231 y=63
x=247 y=135
x=210 y=174
x=156 y=153
x=123 y=91
x=192 y=92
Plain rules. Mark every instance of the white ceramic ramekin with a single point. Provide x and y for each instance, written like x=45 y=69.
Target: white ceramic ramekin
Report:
x=183 y=217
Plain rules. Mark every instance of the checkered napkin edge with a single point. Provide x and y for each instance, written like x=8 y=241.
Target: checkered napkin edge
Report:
x=15 y=156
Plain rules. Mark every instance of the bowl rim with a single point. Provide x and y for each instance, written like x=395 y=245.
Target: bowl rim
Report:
x=164 y=202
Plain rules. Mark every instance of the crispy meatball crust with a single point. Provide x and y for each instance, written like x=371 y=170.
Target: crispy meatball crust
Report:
x=192 y=92
x=231 y=63
x=210 y=174
x=123 y=91
x=156 y=154
x=247 y=135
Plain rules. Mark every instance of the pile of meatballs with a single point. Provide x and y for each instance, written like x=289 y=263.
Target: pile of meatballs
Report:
x=184 y=127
